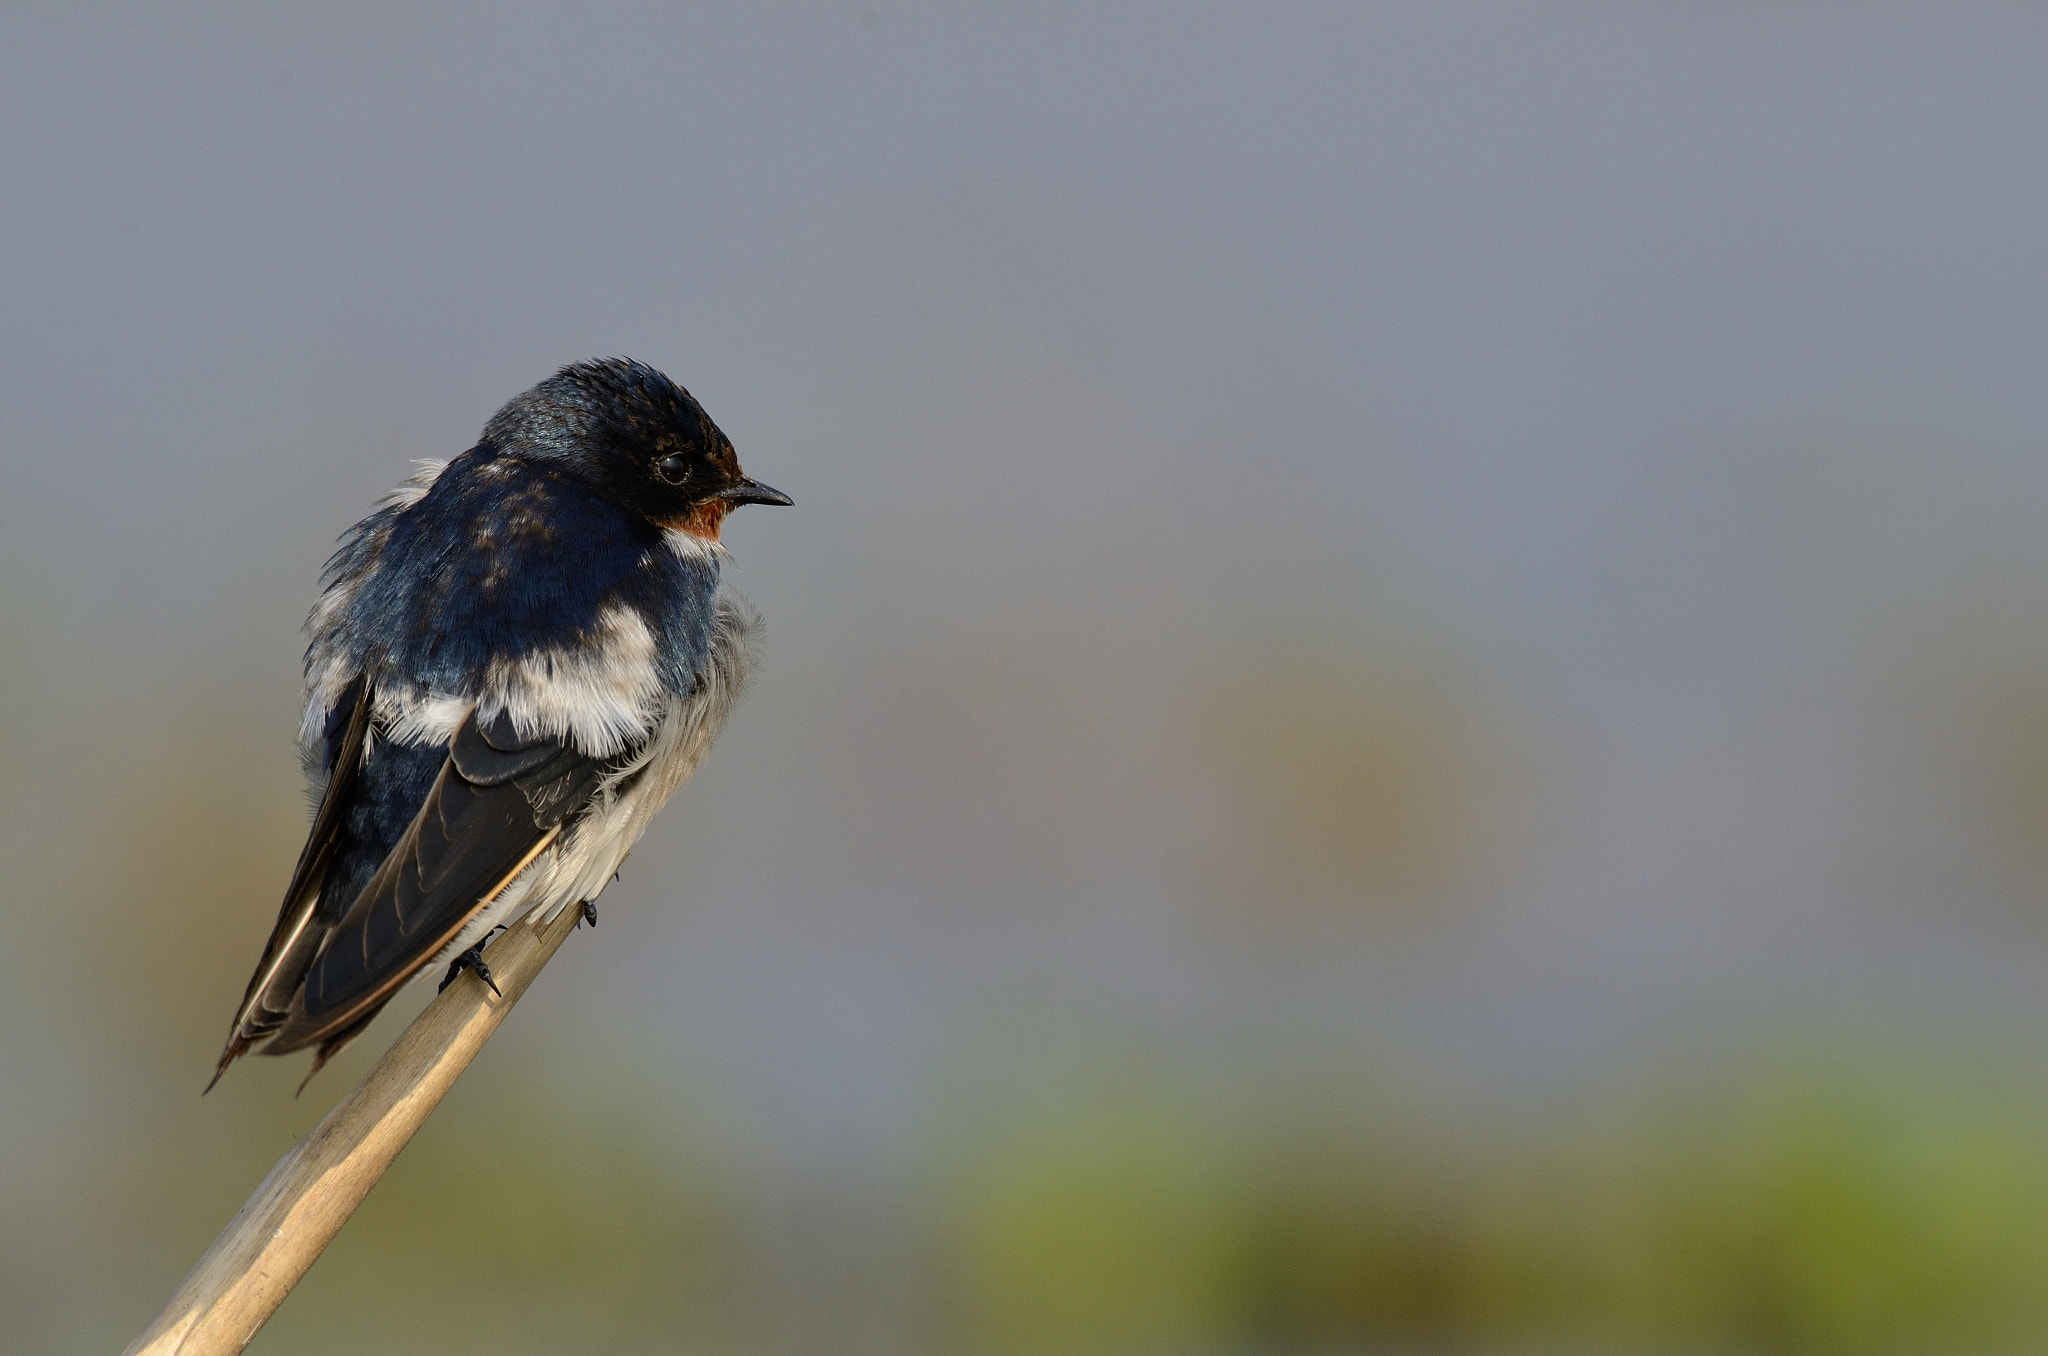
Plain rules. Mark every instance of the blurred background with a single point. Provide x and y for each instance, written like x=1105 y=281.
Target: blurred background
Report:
x=1406 y=706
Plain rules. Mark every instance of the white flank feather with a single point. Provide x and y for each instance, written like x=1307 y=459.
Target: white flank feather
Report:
x=582 y=861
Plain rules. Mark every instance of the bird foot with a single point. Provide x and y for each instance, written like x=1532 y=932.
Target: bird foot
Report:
x=589 y=915
x=473 y=960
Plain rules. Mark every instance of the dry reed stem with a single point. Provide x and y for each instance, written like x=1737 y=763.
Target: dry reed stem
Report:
x=283 y=1228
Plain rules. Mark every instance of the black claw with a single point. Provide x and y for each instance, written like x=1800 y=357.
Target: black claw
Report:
x=589 y=915
x=472 y=960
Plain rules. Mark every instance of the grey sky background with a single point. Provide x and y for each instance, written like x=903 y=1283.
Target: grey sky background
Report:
x=1637 y=407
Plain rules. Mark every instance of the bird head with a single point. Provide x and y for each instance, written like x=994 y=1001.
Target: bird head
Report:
x=635 y=436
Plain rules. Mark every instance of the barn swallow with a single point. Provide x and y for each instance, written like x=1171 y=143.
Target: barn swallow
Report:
x=514 y=661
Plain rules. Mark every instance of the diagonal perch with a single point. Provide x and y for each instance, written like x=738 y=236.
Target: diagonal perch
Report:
x=282 y=1229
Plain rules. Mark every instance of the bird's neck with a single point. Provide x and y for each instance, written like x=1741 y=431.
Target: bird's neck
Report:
x=703 y=521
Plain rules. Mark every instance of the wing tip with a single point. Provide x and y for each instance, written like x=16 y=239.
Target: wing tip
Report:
x=237 y=1046
x=331 y=1046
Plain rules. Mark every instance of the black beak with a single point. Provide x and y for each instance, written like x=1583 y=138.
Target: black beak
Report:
x=754 y=492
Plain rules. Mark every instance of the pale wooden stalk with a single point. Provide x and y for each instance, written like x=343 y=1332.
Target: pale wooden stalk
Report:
x=283 y=1228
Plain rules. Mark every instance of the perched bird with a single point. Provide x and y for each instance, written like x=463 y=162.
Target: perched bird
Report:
x=514 y=661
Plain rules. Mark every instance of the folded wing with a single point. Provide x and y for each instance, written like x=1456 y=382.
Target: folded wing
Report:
x=297 y=936
x=497 y=802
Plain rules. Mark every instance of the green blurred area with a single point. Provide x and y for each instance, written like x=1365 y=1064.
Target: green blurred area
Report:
x=1800 y=1197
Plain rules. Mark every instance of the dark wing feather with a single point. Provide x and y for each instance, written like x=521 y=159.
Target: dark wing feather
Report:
x=296 y=938
x=497 y=803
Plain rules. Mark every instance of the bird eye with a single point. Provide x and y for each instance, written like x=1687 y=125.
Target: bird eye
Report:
x=673 y=469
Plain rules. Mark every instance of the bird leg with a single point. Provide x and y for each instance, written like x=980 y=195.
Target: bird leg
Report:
x=472 y=959
x=589 y=914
